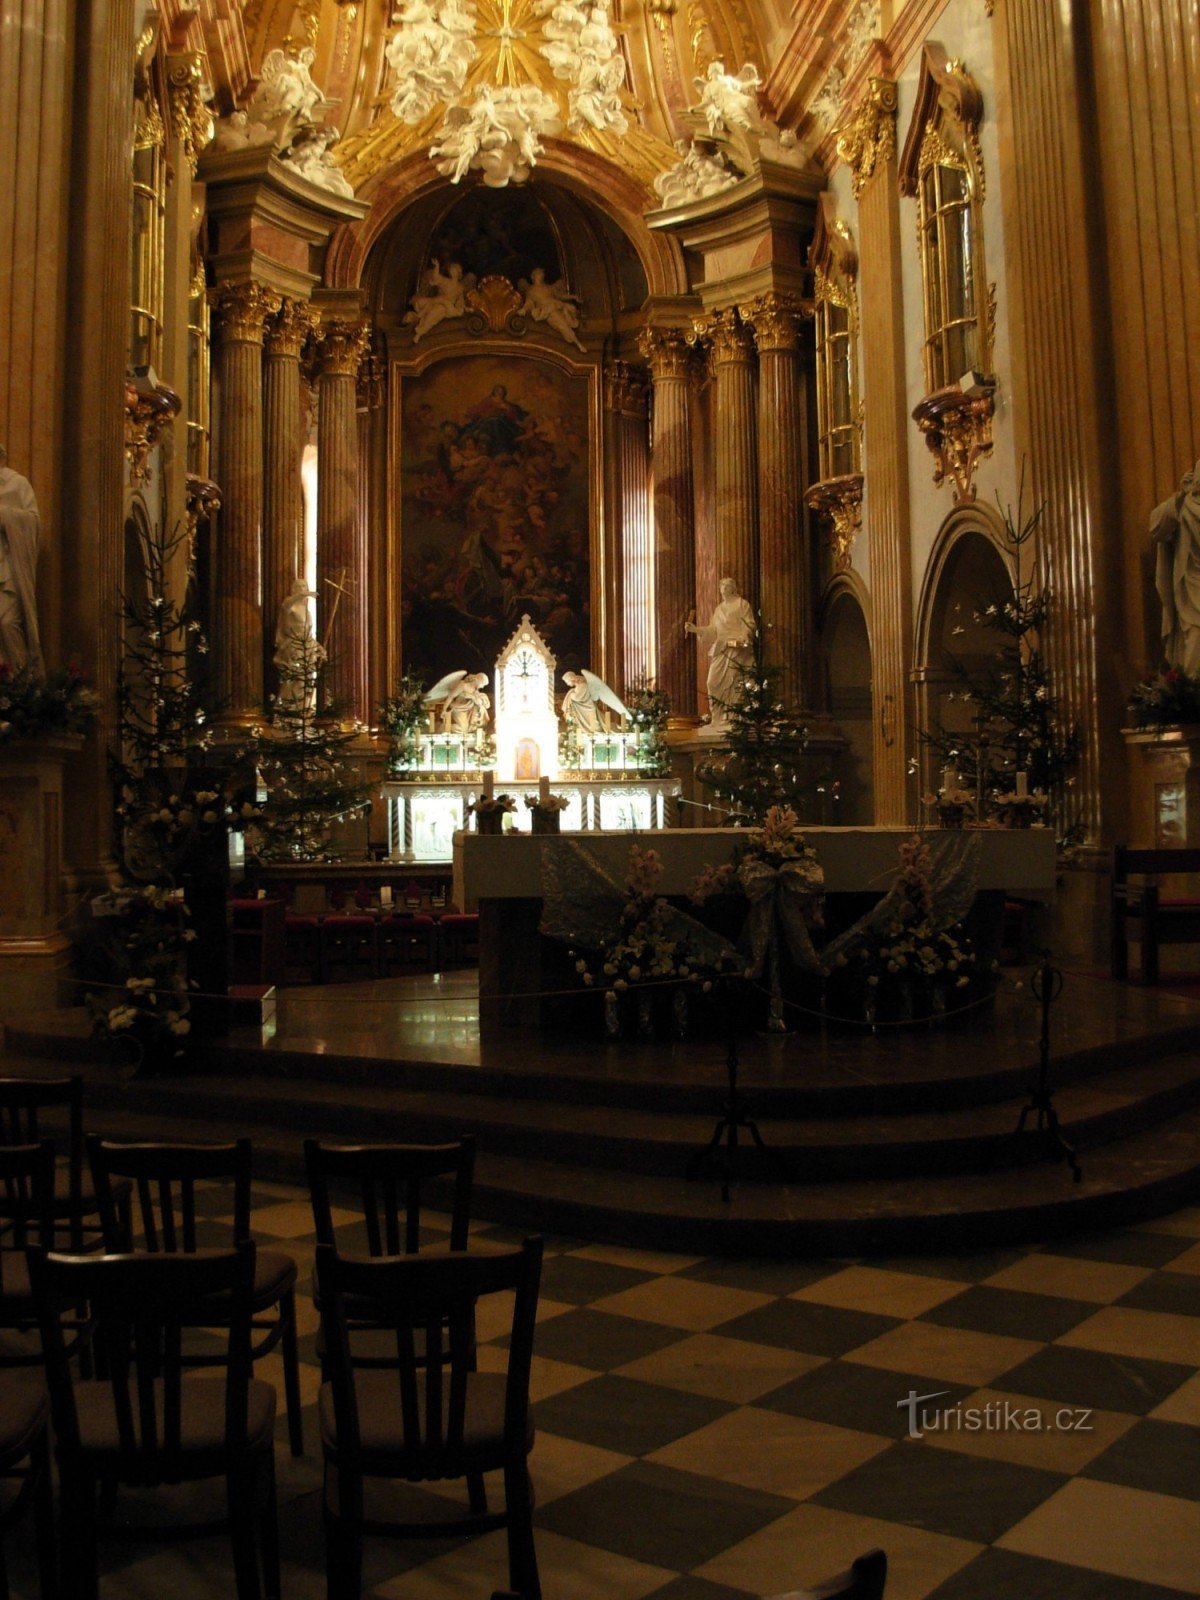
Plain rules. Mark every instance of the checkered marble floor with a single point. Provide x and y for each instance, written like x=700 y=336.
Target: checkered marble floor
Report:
x=711 y=1429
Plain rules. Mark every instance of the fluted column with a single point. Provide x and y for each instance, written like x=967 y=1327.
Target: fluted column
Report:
x=870 y=147
x=732 y=353
x=784 y=582
x=669 y=358
x=242 y=310
x=625 y=402
x=342 y=573
x=283 y=512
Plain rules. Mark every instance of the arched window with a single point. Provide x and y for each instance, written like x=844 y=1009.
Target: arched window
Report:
x=198 y=384
x=837 y=495
x=149 y=212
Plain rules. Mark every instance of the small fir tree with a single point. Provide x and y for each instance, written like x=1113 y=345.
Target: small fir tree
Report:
x=759 y=762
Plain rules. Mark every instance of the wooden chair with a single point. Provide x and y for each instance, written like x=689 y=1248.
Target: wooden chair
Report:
x=164 y=1179
x=429 y=1419
x=458 y=935
x=26 y=1218
x=1156 y=919
x=407 y=939
x=865 y=1580
x=25 y=1458
x=147 y=1422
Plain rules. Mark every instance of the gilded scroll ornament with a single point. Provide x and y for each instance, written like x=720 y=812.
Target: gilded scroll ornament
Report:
x=149 y=408
x=290 y=327
x=727 y=336
x=838 y=501
x=625 y=389
x=958 y=430
x=493 y=306
x=191 y=120
x=870 y=140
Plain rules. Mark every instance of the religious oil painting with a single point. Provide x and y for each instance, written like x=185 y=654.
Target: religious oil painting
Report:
x=494 y=512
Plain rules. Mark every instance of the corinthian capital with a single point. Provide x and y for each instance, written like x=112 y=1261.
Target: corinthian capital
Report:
x=343 y=345
x=667 y=352
x=727 y=336
x=242 y=310
x=870 y=139
x=625 y=388
x=290 y=327
x=776 y=320
x=191 y=120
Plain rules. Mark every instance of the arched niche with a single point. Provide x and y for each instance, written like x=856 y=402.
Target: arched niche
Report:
x=970 y=569
x=846 y=668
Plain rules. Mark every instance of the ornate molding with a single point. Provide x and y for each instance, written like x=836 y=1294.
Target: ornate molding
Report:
x=945 y=89
x=342 y=347
x=149 y=408
x=626 y=389
x=958 y=430
x=667 y=352
x=149 y=129
x=242 y=310
x=201 y=501
x=869 y=142
x=290 y=327
x=494 y=306
x=728 y=338
x=839 y=502
x=777 y=320
x=191 y=120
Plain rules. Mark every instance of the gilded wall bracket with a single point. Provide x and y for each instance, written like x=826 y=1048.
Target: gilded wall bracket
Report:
x=838 y=501
x=957 y=426
x=150 y=407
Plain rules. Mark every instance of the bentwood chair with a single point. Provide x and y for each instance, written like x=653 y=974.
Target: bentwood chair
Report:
x=427 y=1418
x=163 y=1220
x=26 y=1218
x=25 y=1459
x=147 y=1422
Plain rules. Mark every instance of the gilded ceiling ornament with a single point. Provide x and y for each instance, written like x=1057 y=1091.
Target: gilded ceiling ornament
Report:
x=242 y=310
x=870 y=140
x=343 y=344
x=430 y=54
x=493 y=306
x=191 y=120
x=149 y=129
x=838 y=502
x=776 y=320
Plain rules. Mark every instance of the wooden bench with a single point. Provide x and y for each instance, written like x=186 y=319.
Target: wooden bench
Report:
x=1156 y=919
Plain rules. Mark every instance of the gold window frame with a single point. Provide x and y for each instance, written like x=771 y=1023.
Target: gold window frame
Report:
x=148 y=209
x=834 y=263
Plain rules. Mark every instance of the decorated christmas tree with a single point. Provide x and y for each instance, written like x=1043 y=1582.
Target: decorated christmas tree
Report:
x=758 y=763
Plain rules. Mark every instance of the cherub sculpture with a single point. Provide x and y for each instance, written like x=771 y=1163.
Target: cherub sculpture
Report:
x=553 y=304
x=441 y=299
x=310 y=156
x=464 y=704
x=587 y=702
x=727 y=99
x=287 y=100
x=696 y=175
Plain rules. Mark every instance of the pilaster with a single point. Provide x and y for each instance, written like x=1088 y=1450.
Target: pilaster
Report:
x=669 y=357
x=731 y=352
x=342 y=567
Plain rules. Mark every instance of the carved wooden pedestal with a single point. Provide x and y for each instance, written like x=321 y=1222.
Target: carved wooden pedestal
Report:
x=1164 y=773
x=32 y=939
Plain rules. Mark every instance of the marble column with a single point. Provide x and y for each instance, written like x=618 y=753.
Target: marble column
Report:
x=625 y=402
x=342 y=568
x=668 y=355
x=242 y=310
x=732 y=354
x=784 y=565
x=872 y=156
x=283 y=511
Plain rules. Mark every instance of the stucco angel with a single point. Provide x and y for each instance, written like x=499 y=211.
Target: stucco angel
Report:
x=287 y=99
x=461 y=702
x=588 y=701
x=727 y=99
x=430 y=54
x=441 y=298
x=553 y=304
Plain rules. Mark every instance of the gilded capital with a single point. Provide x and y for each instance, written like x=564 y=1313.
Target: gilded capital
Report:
x=870 y=139
x=728 y=337
x=342 y=347
x=625 y=388
x=776 y=320
x=290 y=327
x=667 y=352
x=191 y=120
x=242 y=310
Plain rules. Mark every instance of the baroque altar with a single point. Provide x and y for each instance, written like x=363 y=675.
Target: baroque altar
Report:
x=605 y=769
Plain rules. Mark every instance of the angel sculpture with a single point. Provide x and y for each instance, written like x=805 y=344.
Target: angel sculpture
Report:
x=585 y=702
x=430 y=54
x=310 y=156
x=595 y=98
x=729 y=100
x=499 y=134
x=287 y=99
x=444 y=301
x=552 y=304
x=465 y=706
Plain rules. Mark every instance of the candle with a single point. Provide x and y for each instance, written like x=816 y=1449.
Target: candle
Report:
x=489 y=785
x=543 y=791
x=949 y=779
x=1022 y=785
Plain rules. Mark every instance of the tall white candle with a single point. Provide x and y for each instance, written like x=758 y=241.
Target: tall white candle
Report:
x=949 y=779
x=1022 y=785
x=489 y=785
x=543 y=790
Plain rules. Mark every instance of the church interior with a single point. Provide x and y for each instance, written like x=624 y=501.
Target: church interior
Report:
x=600 y=799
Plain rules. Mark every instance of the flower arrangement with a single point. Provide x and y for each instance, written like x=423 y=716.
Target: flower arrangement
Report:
x=1165 y=699
x=491 y=805
x=953 y=805
x=135 y=955
x=778 y=838
x=36 y=707
x=643 y=950
x=400 y=718
x=1012 y=809
x=649 y=707
x=710 y=882
x=553 y=803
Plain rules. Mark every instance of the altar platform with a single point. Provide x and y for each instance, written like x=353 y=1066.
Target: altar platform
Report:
x=895 y=1142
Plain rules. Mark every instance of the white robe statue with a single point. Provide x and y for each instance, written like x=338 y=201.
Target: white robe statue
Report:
x=584 y=703
x=1175 y=530
x=298 y=655
x=730 y=634
x=20 y=531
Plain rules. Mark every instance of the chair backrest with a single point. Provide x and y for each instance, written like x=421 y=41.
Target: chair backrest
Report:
x=436 y=1293
x=1152 y=862
x=389 y=1179
x=864 y=1581
x=26 y=1203
x=22 y=1100
x=164 y=1178
x=140 y=1307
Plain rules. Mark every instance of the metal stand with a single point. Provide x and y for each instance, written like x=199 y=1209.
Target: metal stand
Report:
x=722 y=1148
x=1046 y=984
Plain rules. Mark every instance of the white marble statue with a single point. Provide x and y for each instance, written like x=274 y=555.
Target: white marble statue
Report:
x=727 y=99
x=498 y=135
x=696 y=175
x=20 y=532
x=441 y=298
x=1175 y=530
x=299 y=655
x=430 y=54
x=730 y=635
x=236 y=132
x=311 y=157
x=464 y=703
x=587 y=701
x=287 y=100
x=552 y=304
x=584 y=52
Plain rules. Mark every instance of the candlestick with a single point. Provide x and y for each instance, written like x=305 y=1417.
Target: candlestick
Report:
x=543 y=790
x=489 y=785
x=1022 y=785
